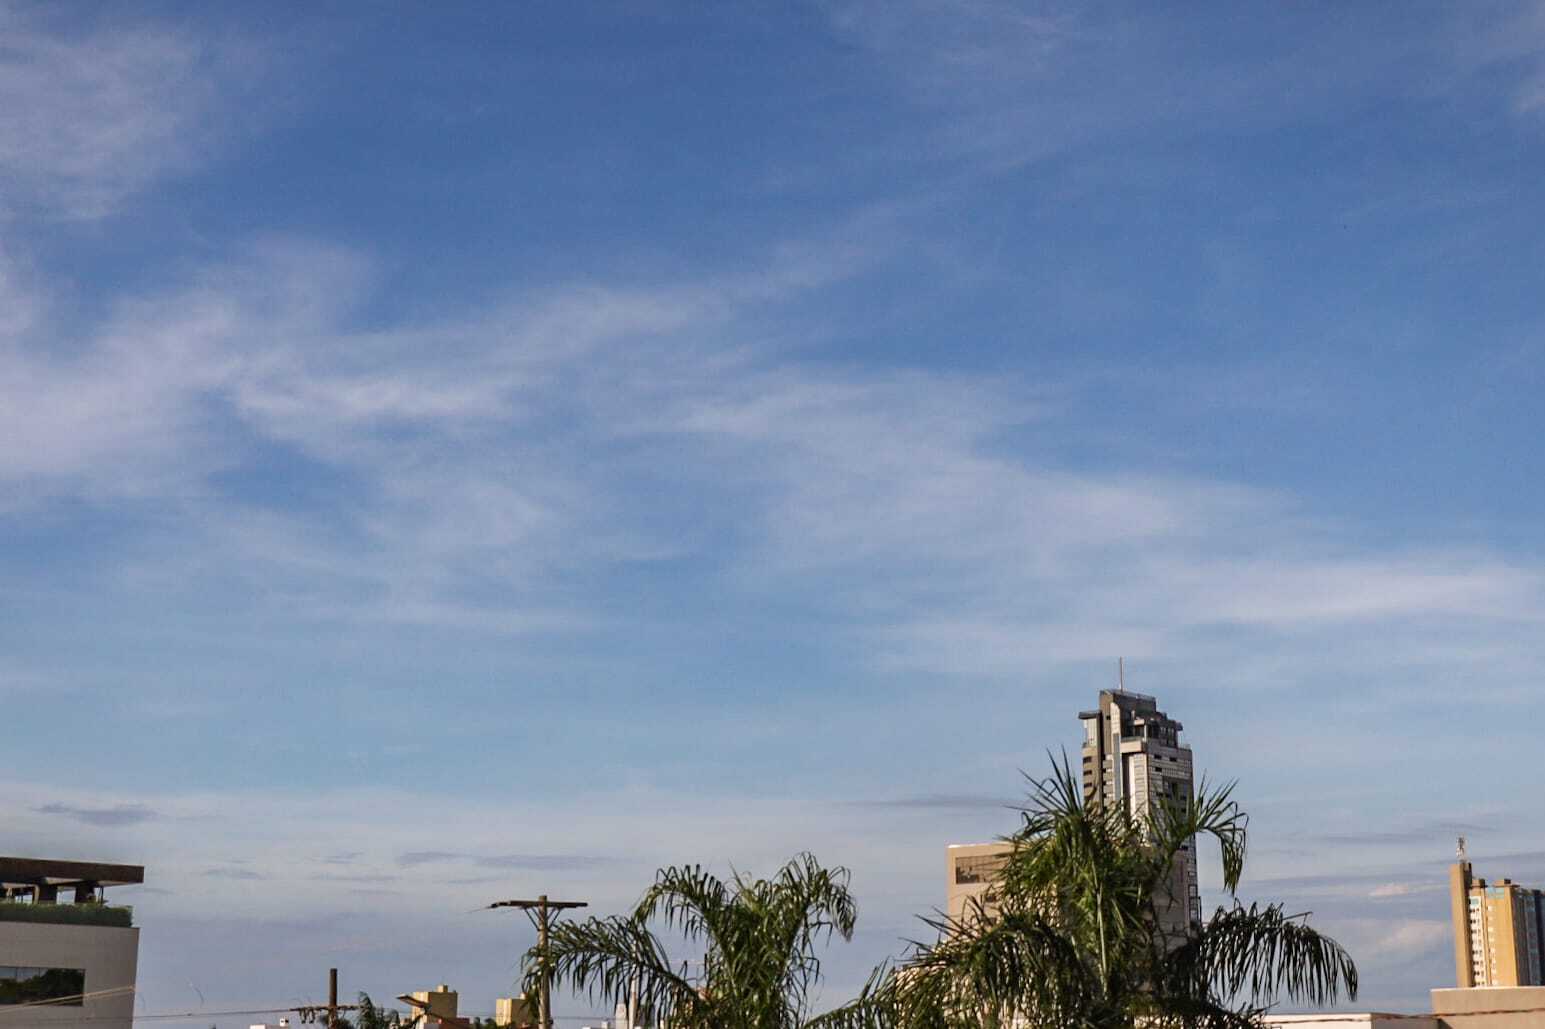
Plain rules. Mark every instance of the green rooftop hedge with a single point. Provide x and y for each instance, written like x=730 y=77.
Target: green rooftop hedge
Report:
x=67 y=914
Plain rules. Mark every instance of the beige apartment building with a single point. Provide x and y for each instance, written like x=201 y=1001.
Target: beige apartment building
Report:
x=434 y=1008
x=970 y=872
x=439 y=1009
x=1497 y=930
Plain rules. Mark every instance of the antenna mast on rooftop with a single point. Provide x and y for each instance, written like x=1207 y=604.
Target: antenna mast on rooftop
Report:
x=1121 y=673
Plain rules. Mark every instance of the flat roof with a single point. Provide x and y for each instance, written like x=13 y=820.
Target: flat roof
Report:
x=20 y=871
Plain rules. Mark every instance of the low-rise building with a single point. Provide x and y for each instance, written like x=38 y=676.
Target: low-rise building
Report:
x=436 y=1008
x=1490 y=1007
x=1351 y=1020
x=69 y=964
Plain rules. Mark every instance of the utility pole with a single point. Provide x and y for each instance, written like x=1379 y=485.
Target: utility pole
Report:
x=542 y=912
x=326 y=1014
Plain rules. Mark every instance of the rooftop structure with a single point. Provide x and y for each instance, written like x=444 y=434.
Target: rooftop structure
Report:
x=66 y=964
x=42 y=878
x=436 y=1008
x=1490 y=1007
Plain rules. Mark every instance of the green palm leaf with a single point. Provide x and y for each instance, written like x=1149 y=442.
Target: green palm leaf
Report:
x=761 y=940
x=1081 y=932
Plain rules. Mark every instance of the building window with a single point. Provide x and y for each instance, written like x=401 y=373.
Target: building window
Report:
x=20 y=985
x=980 y=869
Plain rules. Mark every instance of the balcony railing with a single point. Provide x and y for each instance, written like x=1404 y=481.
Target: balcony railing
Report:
x=67 y=914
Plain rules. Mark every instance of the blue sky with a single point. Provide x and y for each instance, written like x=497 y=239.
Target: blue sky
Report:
x=461 y=453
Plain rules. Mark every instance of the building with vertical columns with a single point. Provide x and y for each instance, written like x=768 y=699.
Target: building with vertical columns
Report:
x=1133 y=758
x=1497 y=930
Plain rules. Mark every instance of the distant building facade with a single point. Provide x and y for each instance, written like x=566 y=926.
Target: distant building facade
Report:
x=1133 y=758
x=514 y=1011
x=1497 y=930
x=66 y=964
x=436 y=1007
x=971 y=873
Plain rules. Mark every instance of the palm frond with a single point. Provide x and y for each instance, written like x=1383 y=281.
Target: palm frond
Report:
x=760 y=937
x=686 y=898
x=1260 y=954
x=1014 y=964
x=1213 y=812
x=1080 y=933
x=606 y=958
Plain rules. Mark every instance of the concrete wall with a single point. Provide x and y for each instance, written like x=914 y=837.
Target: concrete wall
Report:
x=110 y=957
x=1518 y=1007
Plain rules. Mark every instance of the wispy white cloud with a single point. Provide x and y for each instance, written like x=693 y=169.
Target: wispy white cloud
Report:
x=1011 y=84
x=492 y=448
x=96 y=114
x=118 y=814
x=970 y=558
x=1507 y=41
x=612 y=839
x=1383 y=942
x=110 y=418
x=1405 y=889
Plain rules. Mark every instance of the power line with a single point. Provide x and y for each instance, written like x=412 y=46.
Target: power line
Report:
x=69 y=1001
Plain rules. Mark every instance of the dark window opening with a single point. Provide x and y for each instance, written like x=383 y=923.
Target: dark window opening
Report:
x=61 y=986
x=980 y=869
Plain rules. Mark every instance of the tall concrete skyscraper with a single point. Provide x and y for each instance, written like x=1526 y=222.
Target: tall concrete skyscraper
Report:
x=1133 y=757
x=1498 y=929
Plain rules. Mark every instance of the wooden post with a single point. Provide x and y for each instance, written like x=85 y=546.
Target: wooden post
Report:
x=547 y=970
x=541 y=912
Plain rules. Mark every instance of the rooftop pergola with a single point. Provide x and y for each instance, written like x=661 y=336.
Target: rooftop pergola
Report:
x=44 y=876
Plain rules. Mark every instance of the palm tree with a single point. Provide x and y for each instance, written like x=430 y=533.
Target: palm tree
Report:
x=759 y=940
x=1079 y=932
